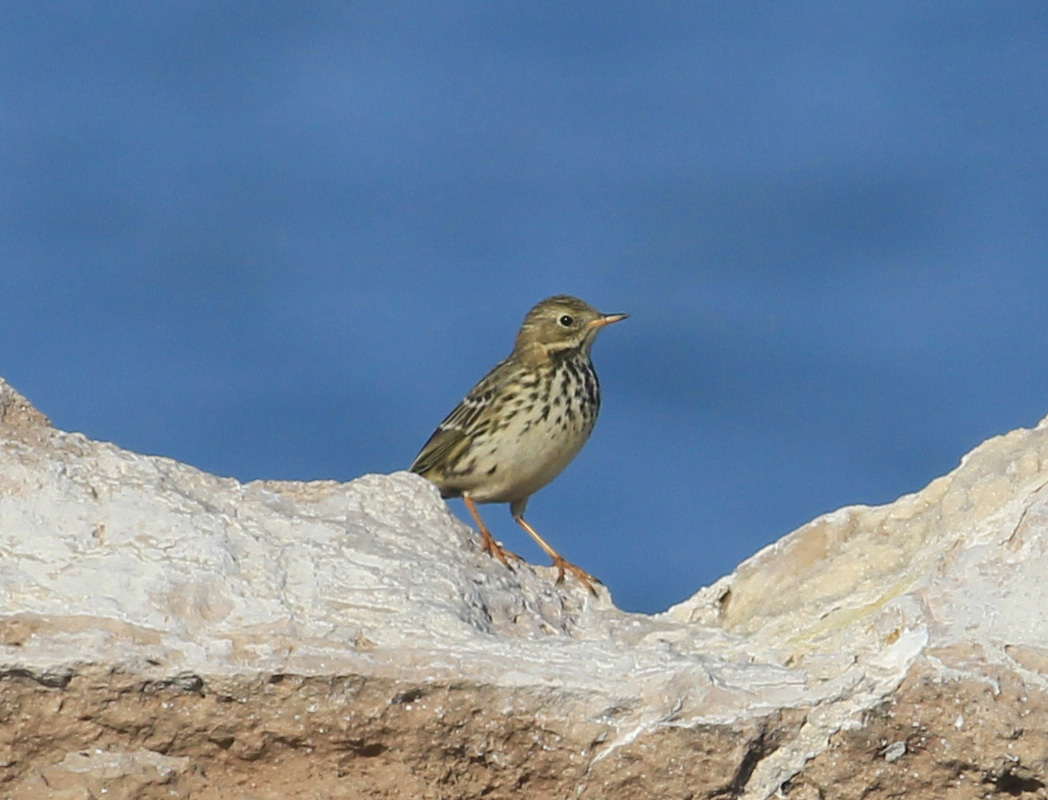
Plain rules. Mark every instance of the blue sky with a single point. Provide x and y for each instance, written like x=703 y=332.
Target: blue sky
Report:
x=281 y=240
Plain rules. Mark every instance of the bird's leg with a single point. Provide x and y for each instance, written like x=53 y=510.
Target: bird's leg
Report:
x=490 y=546
x=561 y=563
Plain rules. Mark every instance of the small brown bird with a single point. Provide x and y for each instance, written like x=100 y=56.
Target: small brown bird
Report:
x=524 y=422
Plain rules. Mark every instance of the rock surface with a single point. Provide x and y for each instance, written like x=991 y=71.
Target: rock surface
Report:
x=165 y=633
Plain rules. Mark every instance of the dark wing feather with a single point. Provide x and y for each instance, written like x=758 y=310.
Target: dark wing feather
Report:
x=465 y=415
x=443 y=447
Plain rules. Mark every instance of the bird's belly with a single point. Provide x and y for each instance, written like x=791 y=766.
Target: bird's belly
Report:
x=518 y=465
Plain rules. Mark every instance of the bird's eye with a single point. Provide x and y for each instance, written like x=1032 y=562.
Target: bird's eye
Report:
x=567 y=320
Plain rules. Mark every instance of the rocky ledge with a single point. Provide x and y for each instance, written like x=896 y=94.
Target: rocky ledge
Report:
x=166 y=633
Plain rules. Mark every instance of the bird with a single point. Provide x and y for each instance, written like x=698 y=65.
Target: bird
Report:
x=523 y=423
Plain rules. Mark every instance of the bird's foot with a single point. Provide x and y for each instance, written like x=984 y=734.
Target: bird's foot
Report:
x=587 y=580
x=493 y=548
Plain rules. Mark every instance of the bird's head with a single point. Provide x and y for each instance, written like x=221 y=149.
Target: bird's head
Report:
x=562 y=323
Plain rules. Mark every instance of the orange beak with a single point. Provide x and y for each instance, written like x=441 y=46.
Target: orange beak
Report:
x=607 y=319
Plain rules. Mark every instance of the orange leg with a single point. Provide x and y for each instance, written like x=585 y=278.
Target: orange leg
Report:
x=491 y=547
x=561 y=563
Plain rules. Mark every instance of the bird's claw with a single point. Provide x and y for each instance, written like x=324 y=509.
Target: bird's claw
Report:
x=493 y=548
x=587 y=580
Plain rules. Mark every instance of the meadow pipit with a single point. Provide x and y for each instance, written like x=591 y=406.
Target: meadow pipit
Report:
x=524 y=422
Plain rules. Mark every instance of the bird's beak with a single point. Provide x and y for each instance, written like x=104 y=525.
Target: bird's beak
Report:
x=607 y=319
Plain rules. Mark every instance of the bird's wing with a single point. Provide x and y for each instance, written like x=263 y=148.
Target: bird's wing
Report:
x=454 y=435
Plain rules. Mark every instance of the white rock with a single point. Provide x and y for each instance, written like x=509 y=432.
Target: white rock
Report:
x=152 y=568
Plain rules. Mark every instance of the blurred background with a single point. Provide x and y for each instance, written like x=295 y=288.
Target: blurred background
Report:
x=282 y=240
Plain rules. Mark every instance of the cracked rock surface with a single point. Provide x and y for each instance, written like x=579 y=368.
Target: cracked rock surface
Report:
x=166 y=633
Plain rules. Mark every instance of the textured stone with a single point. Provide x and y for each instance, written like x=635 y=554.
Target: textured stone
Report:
x=90 y=774
x=169 y=633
